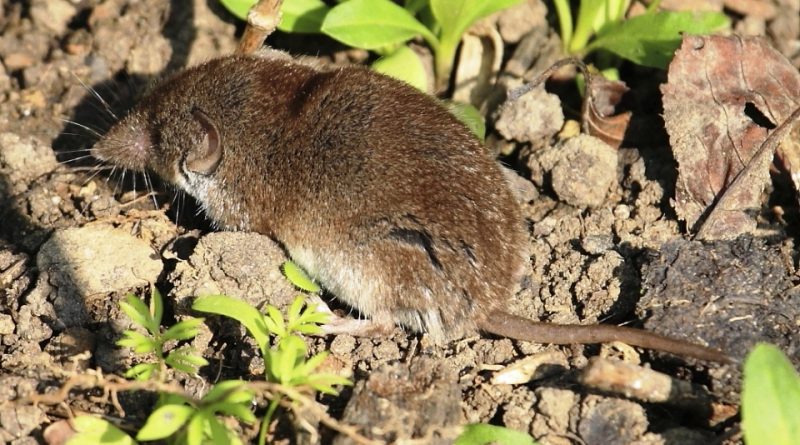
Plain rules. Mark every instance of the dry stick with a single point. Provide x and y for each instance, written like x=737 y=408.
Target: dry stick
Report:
x=112 y=385
x=518 y=92
x=262 y=19
x=758 y=163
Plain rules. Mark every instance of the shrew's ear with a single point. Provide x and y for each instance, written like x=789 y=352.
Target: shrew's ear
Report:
x=206 y=156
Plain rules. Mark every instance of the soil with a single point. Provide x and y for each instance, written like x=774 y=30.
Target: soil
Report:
x=605 y=246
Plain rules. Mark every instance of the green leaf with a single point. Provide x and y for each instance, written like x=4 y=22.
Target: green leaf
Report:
x=277 y=325
x=455 y=16
x=415 y=6
x=308 y=321
x=307 y=328
x=195 y=430
x=184 y=330
x=651 y=39
x=308 y=367
x=142 y=371
x=91 y=429
x=165 y=421
x=302 y=16
x=293 y=313
x=312 y=315
x=298 y=277
x=770 y=398
x=221 y=391
x=185 y=360
x=240 y=311
x=291 y=351
x=469 y=116
x=324 y=382
x=372 y=24
x=403 y=64
x=589 y=13
x=565 y=26
x=482 y=434
x=138 y=312
x=140 y=343
x=156 y=306
x=219 y=433
x=238 y=410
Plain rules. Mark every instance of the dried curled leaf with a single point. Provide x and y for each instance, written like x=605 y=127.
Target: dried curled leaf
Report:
x=720 y=103
x=600 y=107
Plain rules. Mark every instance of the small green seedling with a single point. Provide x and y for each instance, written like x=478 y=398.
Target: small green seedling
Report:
x=286 y=362
x=770 y=398
x=178 y=420
x=183 y=358
x=196 y=424
x=483 y=434
x=649 y=39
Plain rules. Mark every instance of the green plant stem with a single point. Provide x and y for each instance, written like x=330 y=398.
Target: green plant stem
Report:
x=443 y=60
x=583 y=27
x=564 y=22
x=262 y=434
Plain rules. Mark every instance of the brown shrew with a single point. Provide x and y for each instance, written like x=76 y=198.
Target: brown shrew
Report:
x=372 y=187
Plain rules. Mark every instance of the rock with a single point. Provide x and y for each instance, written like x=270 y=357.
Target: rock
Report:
x=54 y=15
x=585 y=171
x=87 y=263
x=533 y=117
x=516 y=21
x=23 y=159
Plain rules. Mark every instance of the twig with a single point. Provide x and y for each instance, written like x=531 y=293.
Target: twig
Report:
x=758 y=165
x=262 y=20
x=292 y=398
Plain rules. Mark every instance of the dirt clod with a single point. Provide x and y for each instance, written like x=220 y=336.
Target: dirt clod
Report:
x=403 y=402
x=742 y=287
x=241 y=265
x=534 y=117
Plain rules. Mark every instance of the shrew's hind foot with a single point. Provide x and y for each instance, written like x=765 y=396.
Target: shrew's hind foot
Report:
x=379 y=326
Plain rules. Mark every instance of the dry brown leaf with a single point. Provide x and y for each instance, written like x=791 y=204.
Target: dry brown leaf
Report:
x=599 y=106
x=722 y=97
x=479 y=60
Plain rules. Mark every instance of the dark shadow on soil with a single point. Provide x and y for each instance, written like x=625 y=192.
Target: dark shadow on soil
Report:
x=95 y=114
